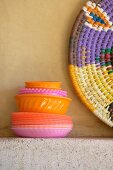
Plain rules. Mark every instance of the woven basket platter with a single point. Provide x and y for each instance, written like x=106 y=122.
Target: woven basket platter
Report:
x=91 y=58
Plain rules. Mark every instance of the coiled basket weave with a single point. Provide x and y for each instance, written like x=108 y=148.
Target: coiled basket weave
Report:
x=91 y=58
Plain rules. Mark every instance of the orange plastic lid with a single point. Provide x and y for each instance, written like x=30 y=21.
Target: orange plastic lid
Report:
x=43 y=84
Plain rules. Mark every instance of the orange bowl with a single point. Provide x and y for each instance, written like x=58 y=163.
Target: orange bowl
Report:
x=31 y=118
x=43 y=84
x=42 y=103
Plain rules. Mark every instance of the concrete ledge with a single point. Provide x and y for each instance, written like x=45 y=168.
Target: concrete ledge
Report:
x=56 y=154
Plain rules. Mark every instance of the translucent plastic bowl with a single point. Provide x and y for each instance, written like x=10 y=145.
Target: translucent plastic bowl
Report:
x=42 y=103
x=43 y=91
x=44 y=126
x=41 y=132
x=43 y=84
x=30 y=118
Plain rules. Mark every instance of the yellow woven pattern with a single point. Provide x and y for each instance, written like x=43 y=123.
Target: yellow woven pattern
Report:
x=74 y=79
x=94 y=88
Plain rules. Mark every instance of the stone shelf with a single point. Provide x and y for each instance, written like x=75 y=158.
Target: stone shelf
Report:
x=56 y=154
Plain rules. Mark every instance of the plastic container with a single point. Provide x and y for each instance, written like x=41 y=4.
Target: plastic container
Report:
x=39 y=116
x=42 y=132
x=43 y=84
x=21 y=118
x=44 y=126
x=42 y=103
x=51 y=92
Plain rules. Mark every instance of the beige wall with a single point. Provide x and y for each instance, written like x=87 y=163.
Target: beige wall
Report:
x=34 y=37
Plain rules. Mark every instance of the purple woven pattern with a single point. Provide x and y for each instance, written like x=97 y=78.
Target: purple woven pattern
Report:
x=107 y=6
x=91 y=40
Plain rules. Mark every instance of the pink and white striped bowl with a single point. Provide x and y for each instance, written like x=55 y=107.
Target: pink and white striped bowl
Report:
x=51 y=92
x=42 y=132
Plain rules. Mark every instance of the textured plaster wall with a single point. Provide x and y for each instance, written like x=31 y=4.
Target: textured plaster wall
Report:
x=56 y=154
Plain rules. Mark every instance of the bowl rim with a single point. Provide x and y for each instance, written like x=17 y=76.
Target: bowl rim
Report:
x=39 y=114
x=50 y=128
x=43 y=82
x=40 y=95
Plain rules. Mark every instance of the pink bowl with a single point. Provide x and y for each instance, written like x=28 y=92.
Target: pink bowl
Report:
x=42 y=132
x=51 y=92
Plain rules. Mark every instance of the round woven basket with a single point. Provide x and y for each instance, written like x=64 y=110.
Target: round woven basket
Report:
x=91 y=58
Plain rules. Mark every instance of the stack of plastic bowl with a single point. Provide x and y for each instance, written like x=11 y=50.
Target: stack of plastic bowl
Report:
x=42 y=108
